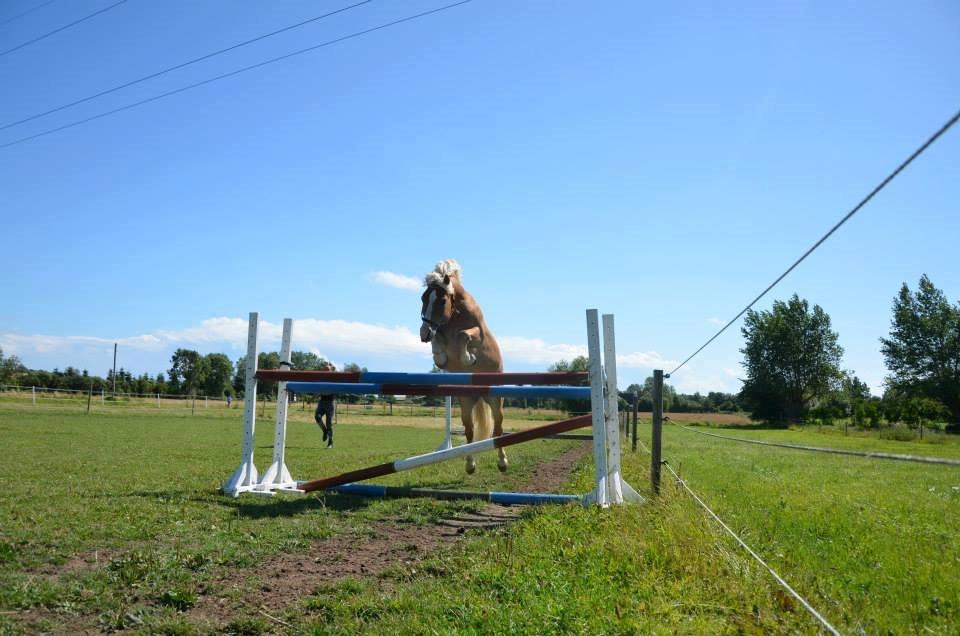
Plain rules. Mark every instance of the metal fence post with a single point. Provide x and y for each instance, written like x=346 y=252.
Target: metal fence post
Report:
x=657 y=437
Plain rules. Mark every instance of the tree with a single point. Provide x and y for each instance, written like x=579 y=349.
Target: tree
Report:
x=219 y=369
x=10 y=367
x=580 y=363
x=187 y=370
x=307 y=360
x=792 y=360
x=923 y=350
x=353 y=367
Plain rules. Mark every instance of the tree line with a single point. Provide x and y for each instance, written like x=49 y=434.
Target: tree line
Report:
x=190 y=373
x=792 y=359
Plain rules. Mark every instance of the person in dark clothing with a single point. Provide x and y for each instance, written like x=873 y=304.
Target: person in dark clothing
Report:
x=326 y=408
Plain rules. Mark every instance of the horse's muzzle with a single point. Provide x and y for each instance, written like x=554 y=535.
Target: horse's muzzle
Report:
x=426 y=332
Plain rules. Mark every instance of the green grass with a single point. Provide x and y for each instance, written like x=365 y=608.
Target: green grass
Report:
x=112 y=515
x=112 y=522
x=934 y=444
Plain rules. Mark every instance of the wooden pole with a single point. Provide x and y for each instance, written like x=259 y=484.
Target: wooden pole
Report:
x=89 y=398
x=636 y=406
x=657 y=437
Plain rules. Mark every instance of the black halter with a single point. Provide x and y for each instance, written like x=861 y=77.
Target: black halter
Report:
x=435 y=326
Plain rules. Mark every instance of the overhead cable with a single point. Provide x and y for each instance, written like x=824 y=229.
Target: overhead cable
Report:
x=27 y=12
x=881 y=186
x=232 y=73
x=63 y=28
x=180 y=66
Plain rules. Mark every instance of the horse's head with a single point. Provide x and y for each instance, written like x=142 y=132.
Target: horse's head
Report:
x=436 y=310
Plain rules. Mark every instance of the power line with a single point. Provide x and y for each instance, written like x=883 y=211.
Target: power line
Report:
x=179 y=66
x=27 y=12
x=881 y=186
x=232 y=73
x=63 y=28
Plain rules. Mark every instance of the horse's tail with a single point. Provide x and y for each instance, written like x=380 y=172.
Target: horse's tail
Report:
x=482 y=420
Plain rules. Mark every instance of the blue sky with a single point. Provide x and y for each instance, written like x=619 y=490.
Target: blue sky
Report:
x=662 y=162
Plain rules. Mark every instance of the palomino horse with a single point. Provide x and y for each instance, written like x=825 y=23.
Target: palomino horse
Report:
x=461 y=341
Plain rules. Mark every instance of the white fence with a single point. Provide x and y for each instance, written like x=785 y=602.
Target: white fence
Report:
x=72 y=397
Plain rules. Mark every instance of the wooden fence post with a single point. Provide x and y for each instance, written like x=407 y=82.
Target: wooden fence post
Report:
x=657 y=437
x=636 y=406
x=89 y=398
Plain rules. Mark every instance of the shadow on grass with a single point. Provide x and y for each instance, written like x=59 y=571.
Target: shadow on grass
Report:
x=255 y=506
x=273 y=508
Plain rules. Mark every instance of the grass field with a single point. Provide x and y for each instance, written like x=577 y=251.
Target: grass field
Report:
x=112 y=522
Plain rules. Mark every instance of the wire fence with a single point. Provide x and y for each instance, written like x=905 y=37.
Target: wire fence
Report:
x=104 y=401
x=89 y=400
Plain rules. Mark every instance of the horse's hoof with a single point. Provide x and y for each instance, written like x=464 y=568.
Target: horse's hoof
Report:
x=502 y=467
x=471 y=465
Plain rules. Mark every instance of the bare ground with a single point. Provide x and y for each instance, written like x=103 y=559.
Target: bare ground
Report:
x=287 y=577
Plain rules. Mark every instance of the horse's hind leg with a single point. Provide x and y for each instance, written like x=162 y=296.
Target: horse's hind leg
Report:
x=466 y=416
x=496 y=405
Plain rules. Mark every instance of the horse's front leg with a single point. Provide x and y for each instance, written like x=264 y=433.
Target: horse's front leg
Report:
x=468 y=342
x=466 y=416
x=439 y=347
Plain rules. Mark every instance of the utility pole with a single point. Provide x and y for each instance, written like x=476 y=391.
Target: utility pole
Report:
x=114 y=369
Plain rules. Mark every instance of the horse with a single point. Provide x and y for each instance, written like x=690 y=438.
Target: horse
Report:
x=461 y=341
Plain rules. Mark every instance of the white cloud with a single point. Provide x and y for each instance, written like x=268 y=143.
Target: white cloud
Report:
x=357 y=337
x=692 y=380
x=536 y=351
x=309 y=334
x=329 y=338
x=716 y=321
x=645 y=360
x=391 y=279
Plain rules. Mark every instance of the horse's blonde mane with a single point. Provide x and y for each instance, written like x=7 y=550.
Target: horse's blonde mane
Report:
x=450 y=268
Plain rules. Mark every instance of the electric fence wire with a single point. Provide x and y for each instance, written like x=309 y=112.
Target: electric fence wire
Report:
x=182 y=65
x=27 y=12
x=830 y=628
x=232 y=73
x=63 y=28
x=881 y=186
x=923 y=459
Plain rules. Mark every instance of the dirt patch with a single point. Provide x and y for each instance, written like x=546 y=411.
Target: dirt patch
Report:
x=390 y=544
x=77 y=564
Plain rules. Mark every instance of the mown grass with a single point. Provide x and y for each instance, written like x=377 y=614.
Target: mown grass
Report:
x=934 y=443
x=115 y=520
x=871 y=543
